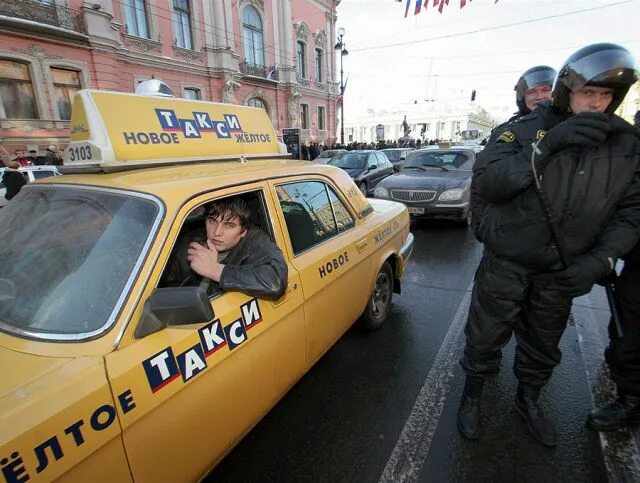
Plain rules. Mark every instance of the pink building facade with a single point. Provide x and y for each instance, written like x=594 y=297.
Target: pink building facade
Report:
x=275 y=54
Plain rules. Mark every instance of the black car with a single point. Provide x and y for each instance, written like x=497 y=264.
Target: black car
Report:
x=396 y=156
x=433 y=183
x=367 y=168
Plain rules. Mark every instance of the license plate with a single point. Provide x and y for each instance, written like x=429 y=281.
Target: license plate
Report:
x=415 y=211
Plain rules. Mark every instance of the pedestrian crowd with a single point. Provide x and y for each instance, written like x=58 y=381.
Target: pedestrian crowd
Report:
x=555 y=200
x=12 y=178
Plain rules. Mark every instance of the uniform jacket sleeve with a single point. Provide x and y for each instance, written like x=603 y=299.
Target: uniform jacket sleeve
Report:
x=622 y=232
x=256 y=267
x=503 y=170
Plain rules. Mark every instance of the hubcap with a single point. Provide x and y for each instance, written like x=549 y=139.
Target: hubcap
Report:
x=380 y=296
x=363 y=189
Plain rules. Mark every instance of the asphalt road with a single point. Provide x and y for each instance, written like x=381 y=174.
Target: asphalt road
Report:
x=381 y=406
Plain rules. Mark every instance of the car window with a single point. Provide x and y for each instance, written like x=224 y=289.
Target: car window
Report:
x=393 y=155
x=438 y=159
x=372 y=160
x=344 y=219
x=383 y=161
x=308 y=213
x=349 y=160
x=64 y=272
x=42 y=174
x=177 y=272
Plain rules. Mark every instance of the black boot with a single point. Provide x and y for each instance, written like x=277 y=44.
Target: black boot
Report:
x=623 y=412
x=539 y=425
x=469 y=410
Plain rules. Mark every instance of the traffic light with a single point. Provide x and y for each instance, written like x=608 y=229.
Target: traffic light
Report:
x=473 y=95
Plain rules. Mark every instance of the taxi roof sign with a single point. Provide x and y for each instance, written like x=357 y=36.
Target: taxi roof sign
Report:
x=112 y=131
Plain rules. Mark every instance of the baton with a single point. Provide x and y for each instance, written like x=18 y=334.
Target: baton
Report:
x=607 y=281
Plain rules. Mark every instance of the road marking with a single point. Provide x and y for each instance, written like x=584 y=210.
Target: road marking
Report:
x=412 y=447
x=620 y=449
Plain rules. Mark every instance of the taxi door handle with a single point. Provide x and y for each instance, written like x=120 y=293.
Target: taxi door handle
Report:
x=361 y=245
x=287 y=295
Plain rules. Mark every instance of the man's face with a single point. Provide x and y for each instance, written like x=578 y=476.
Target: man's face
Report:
x=535 y=95
x=225 y=232
x=20 y=154
x=590 y=99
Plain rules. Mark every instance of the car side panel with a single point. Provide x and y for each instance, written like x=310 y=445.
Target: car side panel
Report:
x=189 y=420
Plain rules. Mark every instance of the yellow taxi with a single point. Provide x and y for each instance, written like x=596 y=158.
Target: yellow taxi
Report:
x=108 y=373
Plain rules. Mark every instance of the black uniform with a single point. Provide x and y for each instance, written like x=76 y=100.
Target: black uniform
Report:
x=13 y=181
x=623 y=354
x=594 y=192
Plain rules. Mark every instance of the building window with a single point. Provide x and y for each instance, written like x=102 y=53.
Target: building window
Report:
x=182 y=23
x=66 y=83
x=136 y=18
x=192 y=93
x=256 y=102
x=252 y=37
x=17 y=100
x=304 y=116
x=302 y=60
x=321 y=118
x=318 y=62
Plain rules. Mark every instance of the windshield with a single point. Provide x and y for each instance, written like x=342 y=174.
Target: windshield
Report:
x=450 y=161
x=66 y=256
x=349 y=160
x=393 y=155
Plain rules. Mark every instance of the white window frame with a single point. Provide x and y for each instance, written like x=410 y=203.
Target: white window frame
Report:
x=321 y=120
x=301 y=64
x=318 y=58
x=194 y=87
x=80 y=67
x=304 y=116
x=254 y=33
x=174 y=25
x=35 y=71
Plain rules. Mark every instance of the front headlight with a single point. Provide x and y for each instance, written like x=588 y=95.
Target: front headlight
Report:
x=380 y=192
x=452 y=195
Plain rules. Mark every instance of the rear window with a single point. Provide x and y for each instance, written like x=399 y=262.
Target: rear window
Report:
x=349 y=160
x=66 y=258
x=449 y=160
x=42 y=174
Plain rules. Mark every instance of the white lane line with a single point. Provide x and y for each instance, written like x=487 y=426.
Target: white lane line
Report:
x=620 y=450
x=412 y=447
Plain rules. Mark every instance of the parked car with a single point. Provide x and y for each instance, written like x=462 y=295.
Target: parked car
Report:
x=396 y=156
x=31 y=173
x=433 y=183
x=112 y=373
x=366 y=167
x=327 y=154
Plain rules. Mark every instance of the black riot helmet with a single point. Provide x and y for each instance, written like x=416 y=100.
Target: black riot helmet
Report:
x=539 y=75
x=602 y=65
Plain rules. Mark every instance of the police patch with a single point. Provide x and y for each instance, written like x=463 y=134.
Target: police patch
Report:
x=507 y=137
x=540 y=134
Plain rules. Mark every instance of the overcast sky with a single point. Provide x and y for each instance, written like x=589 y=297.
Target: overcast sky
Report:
x=390 y=56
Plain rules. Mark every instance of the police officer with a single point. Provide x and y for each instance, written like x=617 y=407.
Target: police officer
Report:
x=532 y=88
x=623 y=354
x=591 y=165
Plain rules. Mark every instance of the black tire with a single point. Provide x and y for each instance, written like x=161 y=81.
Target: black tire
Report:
x=379 y=303
x=362 y=186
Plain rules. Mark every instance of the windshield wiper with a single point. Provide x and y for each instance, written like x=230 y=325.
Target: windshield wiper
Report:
x=435 y=166
x=413 y=167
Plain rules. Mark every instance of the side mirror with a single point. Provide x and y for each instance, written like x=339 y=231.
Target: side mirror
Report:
x=372 y=167
x=174 y=306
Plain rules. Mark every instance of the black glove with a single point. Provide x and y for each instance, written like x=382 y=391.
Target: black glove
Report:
x=584 y=129
x=582 y=274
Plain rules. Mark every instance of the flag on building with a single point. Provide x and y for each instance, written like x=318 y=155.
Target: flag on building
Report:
x=271 y=70
x=423 y=4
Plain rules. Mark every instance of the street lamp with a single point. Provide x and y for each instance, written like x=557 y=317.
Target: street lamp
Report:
x=341 y=46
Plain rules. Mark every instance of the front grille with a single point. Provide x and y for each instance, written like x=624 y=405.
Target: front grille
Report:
x=410 y=196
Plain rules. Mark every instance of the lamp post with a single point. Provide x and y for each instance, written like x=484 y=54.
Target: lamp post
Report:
x=341 y=46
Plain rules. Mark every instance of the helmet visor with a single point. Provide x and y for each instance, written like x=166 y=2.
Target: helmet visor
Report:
x=538 y=78
x=610 y=68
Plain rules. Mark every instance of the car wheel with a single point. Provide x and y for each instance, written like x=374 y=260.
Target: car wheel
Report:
x=363 y=188
x=379 y=303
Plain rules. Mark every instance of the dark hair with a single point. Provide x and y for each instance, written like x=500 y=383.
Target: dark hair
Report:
x=230 y=208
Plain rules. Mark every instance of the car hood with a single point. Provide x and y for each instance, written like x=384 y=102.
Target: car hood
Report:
x=435 y=180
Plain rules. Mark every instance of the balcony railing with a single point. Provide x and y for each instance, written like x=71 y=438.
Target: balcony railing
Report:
x=44 y=13
x=255 y=70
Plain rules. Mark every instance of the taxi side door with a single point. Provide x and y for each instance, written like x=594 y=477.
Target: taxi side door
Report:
x=331 y=254
x=200 y=388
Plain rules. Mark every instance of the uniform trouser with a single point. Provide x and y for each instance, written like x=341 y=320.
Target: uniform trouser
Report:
x=623 y=355
x=508 y=298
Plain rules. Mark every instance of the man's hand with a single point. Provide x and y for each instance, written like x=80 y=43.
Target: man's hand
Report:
x=204 y=260
x=584 y=129
x=580 y=276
